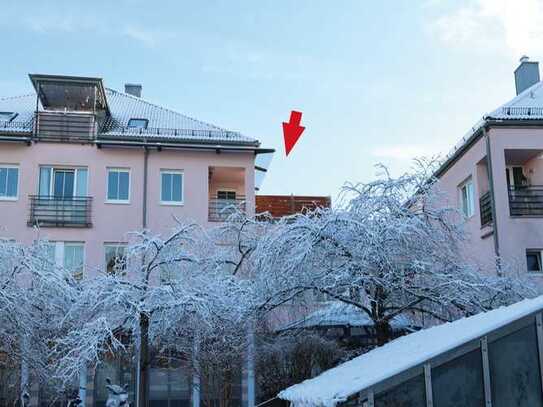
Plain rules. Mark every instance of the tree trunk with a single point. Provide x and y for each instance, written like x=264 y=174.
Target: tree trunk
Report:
x=143 y=390
x=24 y=389
x=383 y=332
x=83 y=384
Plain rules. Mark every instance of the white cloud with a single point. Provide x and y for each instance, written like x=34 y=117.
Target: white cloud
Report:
x=148 y=37
x=405 y=152
x=515 y=27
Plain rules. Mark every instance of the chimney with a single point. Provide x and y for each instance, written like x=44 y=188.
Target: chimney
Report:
x=527 y=74
x=133 y=89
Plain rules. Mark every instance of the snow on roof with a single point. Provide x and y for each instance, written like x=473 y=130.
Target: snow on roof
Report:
x=340 y=314
x=162 y=123
x=339 y=383
x=528 y=105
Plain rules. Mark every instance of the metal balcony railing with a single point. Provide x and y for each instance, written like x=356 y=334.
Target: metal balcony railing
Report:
x=221 y=209
x=65 y=126
x=526 y=200
x=485 y=208
x=54 y=211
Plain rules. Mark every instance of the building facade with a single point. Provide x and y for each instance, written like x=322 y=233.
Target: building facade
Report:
x=494 y=177
x=82 y=166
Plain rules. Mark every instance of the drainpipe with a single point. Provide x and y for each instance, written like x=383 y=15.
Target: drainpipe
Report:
x=493 y=202
x=145 y=171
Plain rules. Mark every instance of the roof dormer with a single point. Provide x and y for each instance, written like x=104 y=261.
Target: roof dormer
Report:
x=70 y=93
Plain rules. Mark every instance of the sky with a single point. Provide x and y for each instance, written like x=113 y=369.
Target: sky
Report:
x=376 y=81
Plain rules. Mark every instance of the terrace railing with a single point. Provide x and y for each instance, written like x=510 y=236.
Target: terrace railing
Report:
x=526 y=200
x=221 y=209
x=65 y=126
x=485 y=208
x=54 y=211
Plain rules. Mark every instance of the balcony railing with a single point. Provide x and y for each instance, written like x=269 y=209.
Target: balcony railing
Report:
x=526 y=200
x=485 y=207
x=221 y=209
x=54 y=211
x=65 y=126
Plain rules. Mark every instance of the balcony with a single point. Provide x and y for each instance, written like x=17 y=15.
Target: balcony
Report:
x=485 y=208
x=61 y=126
x=227 y=193
x=54 y=211
x=221 y=208
x=526 y=200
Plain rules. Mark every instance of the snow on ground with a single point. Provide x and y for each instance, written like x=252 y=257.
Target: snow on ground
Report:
x=337 y=384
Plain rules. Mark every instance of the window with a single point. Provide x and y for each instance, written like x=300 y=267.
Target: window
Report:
x=467 y=204
x=138 y=123
x=533 y=260
x=171 y=190
x=226 y=195
x=7 y=116
x=74 y=258
x=515 y=378
x=70 y=255
x=63 y=182
x=9 y=180
x=115 y=258
x=118 y=185
x=459 y=382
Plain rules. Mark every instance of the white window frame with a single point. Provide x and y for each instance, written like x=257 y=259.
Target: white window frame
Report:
x=16 y=197
x=119 y=201
x=470 y=207
x=59 y=252
x=63 y=168
x=116 y=246
x=82 y=244
x=221 y=189
x=173 y=172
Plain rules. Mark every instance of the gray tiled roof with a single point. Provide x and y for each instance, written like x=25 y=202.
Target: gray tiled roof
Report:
x=163 y=124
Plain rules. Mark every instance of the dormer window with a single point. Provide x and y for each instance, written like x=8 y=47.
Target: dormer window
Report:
x=7 y=116
x=138 y=123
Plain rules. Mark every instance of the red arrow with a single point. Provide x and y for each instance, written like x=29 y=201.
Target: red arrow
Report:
x=292 y=130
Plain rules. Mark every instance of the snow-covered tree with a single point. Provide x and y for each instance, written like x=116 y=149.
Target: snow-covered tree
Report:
x=393 y=248
x=34 y=296
x=177 y=294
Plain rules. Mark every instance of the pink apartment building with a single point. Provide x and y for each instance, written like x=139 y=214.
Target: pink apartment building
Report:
x=495 y=176
x=81 y=165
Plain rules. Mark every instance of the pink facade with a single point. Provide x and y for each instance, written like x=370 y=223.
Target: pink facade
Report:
x=495 y=178
x=112 y=221
x=89 y=131
x=517 y=216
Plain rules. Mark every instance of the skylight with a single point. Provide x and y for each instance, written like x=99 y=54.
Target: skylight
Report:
x=7 y=116
x=138 y=123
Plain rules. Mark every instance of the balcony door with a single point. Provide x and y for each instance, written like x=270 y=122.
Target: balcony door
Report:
x=515 y=177
x=62 y=195
x=63 y=184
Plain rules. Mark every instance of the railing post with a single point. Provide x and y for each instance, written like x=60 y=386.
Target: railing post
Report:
x=428 y=385
x=486 y=372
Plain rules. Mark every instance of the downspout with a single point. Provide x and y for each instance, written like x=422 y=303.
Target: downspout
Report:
x=493 y=202
x=144 y=226
x=145 y=171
